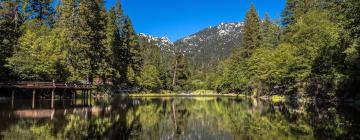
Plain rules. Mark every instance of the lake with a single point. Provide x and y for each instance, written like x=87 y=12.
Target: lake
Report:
x=183 y=118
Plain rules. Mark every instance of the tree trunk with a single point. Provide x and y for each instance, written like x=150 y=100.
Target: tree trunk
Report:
x=174 y=76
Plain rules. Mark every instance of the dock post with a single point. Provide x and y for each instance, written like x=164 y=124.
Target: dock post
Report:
x=33 y=99
x=86 y=98
x=74 y=98
x=74 y=95
x=52 y=98
x=82 y=97
x=90 y=97
x=12 y=98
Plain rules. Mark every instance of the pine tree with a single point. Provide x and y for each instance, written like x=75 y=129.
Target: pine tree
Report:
x=296 y=8
x=92 y=33
x=10 y=22
x=150 y=80
x=288 y=15
x=119 y=15
x=68 y=27
x=115 y=44
x=180 y=71
x=251 y=37
x=269 y=33
x=40 y=10
x=120 y=53
x=135 y=61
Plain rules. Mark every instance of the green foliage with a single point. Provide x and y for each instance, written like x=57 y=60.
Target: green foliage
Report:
x=180 y=72
x=41 y=11
x=318 y=42
x=251 y=37
x=10 y=22
x=114 y=44
x=318 y=54
x=38 y=55
x=296 y=8
x=275 y=70
x=92 y=31
x=69 y=34
x=311 y=62
x=349 y=18
x=270 y=33
x=150 y=79
x=127 y=59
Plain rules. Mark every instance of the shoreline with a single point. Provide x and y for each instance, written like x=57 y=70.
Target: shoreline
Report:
x=273 y=98
x=185 y=95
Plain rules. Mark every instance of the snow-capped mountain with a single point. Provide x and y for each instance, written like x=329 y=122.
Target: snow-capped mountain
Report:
x=163 y=42
x=210 y=45
x=206 y=47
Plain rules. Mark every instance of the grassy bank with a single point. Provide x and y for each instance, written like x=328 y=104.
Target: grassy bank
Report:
x=182 y=95
x=197 y=93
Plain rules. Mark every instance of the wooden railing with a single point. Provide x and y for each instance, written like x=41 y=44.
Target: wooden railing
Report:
x=45 y=85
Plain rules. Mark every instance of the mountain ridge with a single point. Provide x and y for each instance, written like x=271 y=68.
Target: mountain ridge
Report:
x=206 y=47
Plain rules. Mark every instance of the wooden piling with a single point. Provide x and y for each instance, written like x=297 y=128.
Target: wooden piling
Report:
x=86 y=97
x=90 y=97
x=52 y=98
x=82 y=97
x=73 y=97
x=12 y=98
x=33 y=99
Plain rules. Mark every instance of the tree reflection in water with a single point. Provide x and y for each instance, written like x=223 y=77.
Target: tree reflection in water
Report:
x=187 y=118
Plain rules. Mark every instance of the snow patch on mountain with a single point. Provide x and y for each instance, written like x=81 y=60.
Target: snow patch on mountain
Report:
x=211 y=44
x=161 y=41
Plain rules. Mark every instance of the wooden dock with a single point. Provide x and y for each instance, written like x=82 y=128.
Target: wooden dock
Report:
x=48 y=86
x=44 y=85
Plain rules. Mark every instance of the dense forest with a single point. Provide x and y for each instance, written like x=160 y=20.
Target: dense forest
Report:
x=314 y=51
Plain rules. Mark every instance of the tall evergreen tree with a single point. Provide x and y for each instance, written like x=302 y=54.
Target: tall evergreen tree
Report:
x=68 y=27
x=119 y=15
x=10 y=22
x=40 y=10
x=288 y=15
x=115 y=44
x=150 y=78
x=180 y=72
x=251 y=38
x=92 y=36
x=270 y=33
x=296 y=8
x=134 y=59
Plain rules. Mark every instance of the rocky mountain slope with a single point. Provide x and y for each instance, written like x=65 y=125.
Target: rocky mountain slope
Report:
x=211 y=45
x=206 y=47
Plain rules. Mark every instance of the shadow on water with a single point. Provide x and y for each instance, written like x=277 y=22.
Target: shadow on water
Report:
x=178 y=118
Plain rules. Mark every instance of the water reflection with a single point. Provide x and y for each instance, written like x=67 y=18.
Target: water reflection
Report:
x=180 y=118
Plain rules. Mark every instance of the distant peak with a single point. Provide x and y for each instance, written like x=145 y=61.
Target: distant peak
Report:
x=161 y=41
x=154 y=37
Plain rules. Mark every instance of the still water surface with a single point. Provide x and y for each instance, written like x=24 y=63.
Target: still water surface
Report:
x=194 y=118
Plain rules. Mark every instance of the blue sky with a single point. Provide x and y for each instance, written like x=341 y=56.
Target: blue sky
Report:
x=178 y=18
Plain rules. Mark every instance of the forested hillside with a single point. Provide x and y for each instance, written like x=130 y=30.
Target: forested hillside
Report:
x=203 y=50
x=208 y=47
